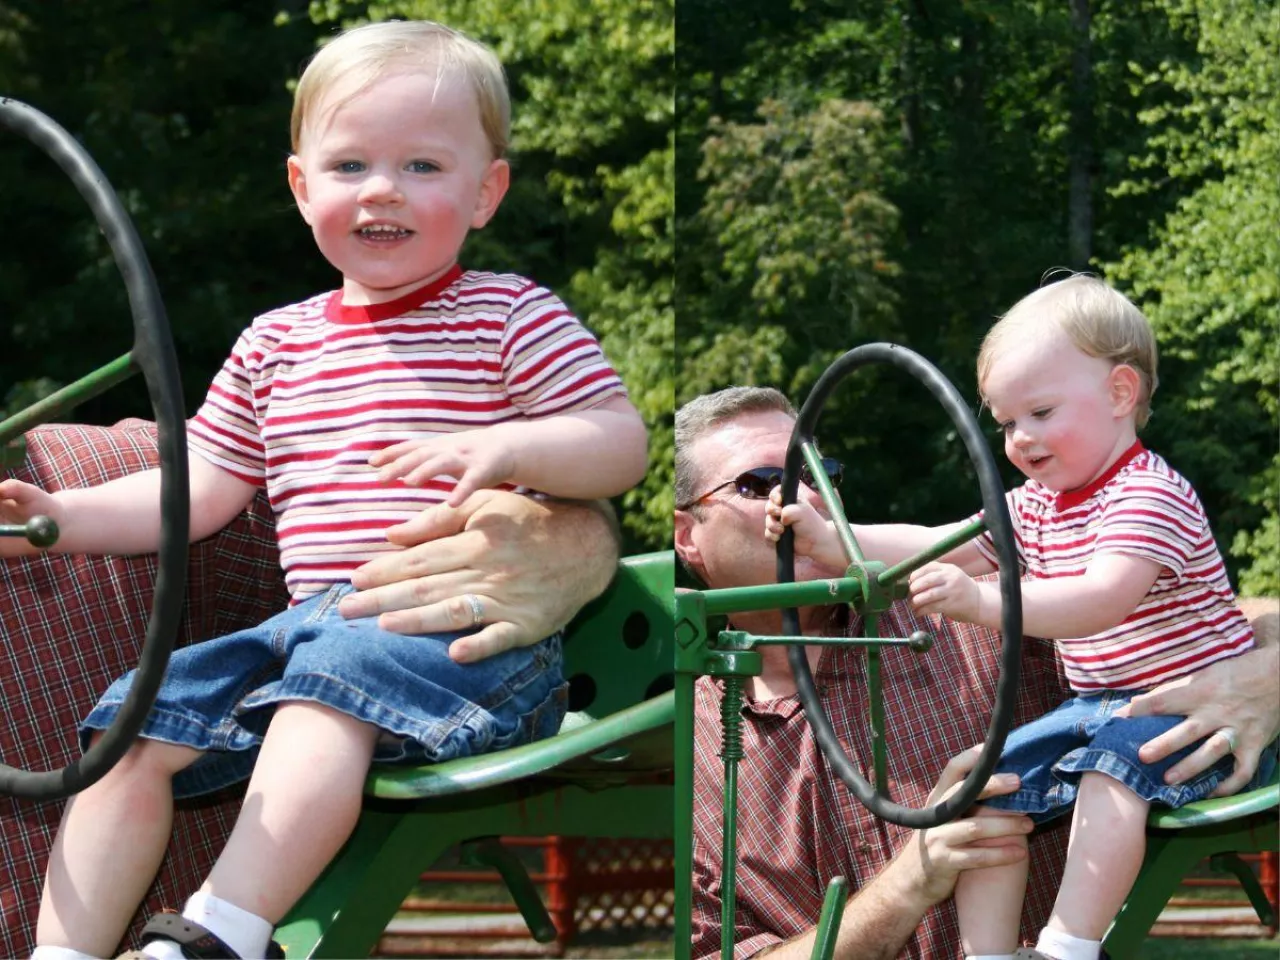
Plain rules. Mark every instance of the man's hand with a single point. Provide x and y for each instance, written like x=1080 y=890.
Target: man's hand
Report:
x=881 y=917
x=934 y=858
x=532 y=564
x=1240 y=693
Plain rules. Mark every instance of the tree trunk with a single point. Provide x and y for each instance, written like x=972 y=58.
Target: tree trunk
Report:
x=1080 y=142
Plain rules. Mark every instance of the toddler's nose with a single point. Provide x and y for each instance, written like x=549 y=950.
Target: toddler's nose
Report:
x=378 y=188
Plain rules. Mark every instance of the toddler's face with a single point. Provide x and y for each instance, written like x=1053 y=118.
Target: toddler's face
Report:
x=1057 y=410
x=391 y=180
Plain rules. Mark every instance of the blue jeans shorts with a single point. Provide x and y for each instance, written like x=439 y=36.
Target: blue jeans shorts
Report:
x=1051 y=754
x=218 y=696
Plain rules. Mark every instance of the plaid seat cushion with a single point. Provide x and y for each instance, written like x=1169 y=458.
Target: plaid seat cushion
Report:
x=72 y=624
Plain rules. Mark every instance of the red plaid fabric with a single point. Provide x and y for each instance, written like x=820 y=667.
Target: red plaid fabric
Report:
x=797 y=824
x=72 y=624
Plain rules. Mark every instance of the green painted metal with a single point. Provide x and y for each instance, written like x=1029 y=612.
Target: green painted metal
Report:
x=70 y=396
x=773 y=596
x=899 y=571
x=619 y=650
x=1171 y=855
x=828 y=933
x=489 y=852
x=834 y=505
x=1217 y=810
x=1234 y=864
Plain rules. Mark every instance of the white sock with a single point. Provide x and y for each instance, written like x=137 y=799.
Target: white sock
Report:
x=989 y=956
x=1063 y=946
x=245 y=933
x=163 y=950
x=59 y=953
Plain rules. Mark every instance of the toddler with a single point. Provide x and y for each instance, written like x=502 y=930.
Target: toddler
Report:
x=1119 y=568
x=415 y=383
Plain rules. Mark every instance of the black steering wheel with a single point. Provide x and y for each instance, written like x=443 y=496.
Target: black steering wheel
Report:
x=996 y=515
x=154 y=355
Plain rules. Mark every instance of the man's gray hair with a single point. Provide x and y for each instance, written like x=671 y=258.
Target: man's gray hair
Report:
x=702 y=415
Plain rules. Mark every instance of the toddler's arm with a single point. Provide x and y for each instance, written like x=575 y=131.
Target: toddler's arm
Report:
x=123 y=515
x=588 y=455
x=1061 y=609
x=888 y=543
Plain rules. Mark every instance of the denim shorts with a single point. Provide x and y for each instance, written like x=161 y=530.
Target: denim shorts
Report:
x=218 y=696
x=1051 y=754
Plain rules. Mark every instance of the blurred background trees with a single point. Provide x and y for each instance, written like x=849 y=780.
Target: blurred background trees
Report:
x=856 y=171
x=186 y=105
x=787 y=177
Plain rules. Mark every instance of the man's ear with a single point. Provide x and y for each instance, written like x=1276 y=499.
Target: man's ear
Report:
x=298 y=187
x=686 y=546
x=492 y=189
x=1125 y=387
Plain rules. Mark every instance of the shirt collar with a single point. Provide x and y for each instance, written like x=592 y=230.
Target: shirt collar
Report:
x=338 y=312
x=1073 y=498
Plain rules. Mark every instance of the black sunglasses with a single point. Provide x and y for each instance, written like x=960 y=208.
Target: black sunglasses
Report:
x=755 y=484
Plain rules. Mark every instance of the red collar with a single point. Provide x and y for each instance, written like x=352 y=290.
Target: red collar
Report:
x=339 y=312
x=1073 y=498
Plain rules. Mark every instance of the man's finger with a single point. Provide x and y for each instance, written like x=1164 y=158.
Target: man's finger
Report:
x=1172 y=740
x=492 y=640
x=1240 y=776
x=1165 y=700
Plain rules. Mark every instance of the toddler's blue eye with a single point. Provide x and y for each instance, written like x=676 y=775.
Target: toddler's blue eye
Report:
x=349 y=166
x=421 y=166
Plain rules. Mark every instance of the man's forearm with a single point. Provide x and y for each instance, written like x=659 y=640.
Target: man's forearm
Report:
x=877 y=922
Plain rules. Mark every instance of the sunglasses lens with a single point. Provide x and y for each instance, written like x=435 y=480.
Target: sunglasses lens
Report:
x=756 y=484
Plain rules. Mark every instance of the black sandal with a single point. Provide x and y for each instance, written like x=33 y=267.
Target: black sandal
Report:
x=196 y=942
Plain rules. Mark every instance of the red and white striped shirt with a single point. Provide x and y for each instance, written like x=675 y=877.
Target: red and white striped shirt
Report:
x=1140 y=507
x=311 y=390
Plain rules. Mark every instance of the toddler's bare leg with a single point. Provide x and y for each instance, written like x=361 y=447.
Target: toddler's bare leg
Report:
x=302 y=804
x=108 y=849
x=1108 y=841
x=989 y=901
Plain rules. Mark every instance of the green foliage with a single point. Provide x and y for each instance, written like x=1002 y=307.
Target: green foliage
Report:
x=972 y=157
x=186 y=107
x=592 y=202
x=1210 y=281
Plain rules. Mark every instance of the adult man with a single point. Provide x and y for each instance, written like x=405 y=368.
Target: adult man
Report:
x=797 y=827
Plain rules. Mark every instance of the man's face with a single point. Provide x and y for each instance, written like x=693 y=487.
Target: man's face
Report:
x=722 y=539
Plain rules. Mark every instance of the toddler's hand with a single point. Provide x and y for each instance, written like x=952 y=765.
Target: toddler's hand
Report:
x=814 y=536
x=477 y=458
x=19 y=502
x=946 y=589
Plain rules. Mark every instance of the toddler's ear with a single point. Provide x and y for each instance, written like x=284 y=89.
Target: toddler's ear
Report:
x=1125 y=387
x=492 y=189
x=298 y=186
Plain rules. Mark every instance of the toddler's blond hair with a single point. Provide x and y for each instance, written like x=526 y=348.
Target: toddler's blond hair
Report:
x=364 y=54
x=1099 y=320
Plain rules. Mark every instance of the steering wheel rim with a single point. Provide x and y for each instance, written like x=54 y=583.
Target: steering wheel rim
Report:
x=153 y=352
x=996 y=514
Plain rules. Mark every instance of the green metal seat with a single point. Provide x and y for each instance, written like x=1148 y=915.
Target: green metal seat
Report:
x=619 y=662
x=1219 y=830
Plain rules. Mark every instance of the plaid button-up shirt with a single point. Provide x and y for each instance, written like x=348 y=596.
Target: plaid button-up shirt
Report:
x=798 y=826
x=72 y=624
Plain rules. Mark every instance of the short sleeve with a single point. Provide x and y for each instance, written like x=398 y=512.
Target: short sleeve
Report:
x=225 y=428
x=986 y=543
x=1150 y=516
x=551 y=364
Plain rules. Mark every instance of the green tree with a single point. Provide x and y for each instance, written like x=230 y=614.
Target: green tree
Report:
x=1210 y=277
